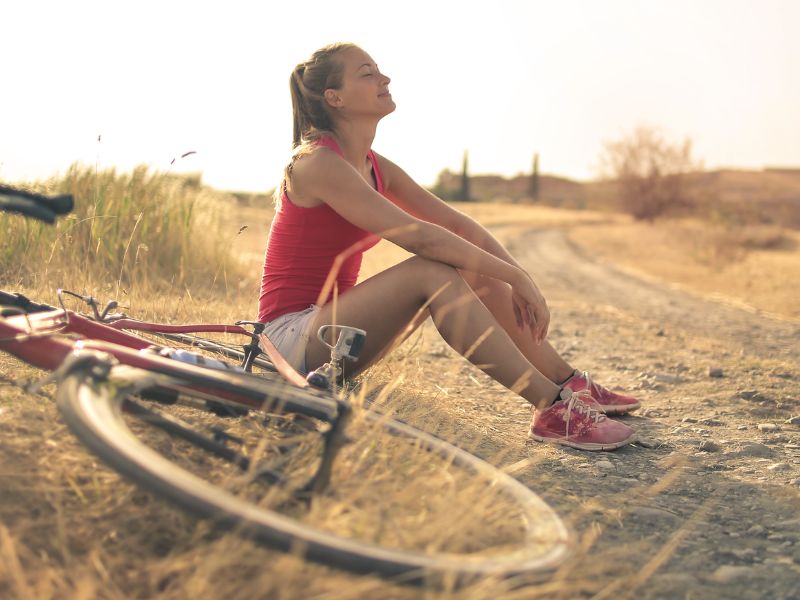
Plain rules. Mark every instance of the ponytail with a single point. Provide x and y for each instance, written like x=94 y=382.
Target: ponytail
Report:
x=307 y=86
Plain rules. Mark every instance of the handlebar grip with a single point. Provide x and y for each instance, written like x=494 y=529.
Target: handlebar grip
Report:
x=60 y=205
x=35 y=205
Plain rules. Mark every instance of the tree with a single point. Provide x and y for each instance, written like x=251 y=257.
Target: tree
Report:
x=535 y=177
x=650 y=171
x=464 y=193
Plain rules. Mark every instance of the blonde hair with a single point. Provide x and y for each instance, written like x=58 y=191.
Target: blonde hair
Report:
x=310 y=116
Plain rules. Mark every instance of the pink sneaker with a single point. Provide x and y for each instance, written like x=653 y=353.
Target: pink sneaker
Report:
x=574 y=421
x=610 y=402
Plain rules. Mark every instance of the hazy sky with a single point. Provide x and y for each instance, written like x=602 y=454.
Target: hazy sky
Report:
x=502 y=79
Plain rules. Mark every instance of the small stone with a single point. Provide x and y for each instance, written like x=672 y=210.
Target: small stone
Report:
x=741 y=427
x=605 y=465
x=747 y=394
x=649 y=412
x=684 y=580
x=729 y=573
x=715 y=372
x=667 y=378
x=649 y=513
x=711 y=422
x=708 y=446
x=795 y=420
x=755 y=450
x=795 y=481
x=688 y=420
x=649 y=442
x=768 y=427
x=756 y=530
x=779 y=467
x=793 y=524
x=743 y=553
x=627 y=480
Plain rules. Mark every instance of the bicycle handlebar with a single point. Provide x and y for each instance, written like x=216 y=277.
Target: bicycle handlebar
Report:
x=38 y=206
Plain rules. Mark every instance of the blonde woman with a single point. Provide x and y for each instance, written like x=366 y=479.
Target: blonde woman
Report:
x=338 y=198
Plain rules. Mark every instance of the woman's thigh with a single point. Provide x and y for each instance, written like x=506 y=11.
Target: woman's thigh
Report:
x=388 y=305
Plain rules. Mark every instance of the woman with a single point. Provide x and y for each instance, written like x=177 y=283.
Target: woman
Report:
x=338 y=198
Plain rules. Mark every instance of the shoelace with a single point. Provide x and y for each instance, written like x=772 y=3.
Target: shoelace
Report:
x=590 y=385
x=575 y=402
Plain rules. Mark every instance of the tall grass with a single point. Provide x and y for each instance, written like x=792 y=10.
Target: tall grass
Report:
x=148 y=230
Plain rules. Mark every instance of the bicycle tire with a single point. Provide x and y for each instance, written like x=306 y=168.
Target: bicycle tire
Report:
x=93 y=411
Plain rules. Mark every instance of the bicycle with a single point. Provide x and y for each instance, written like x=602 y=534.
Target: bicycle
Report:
x=289 y=454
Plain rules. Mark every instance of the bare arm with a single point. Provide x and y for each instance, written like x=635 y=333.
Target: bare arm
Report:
x=328 y=177
x=413 y=198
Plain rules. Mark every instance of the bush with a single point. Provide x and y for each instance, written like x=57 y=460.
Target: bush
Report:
x=649 y=171
x=139 y=228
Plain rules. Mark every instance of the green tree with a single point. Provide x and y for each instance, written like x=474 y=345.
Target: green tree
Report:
x=535 y=177
x=464 y=192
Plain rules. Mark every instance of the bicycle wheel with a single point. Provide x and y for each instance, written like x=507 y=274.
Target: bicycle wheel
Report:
x=400 y=502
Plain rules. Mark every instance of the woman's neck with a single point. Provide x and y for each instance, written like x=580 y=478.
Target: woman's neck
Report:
x=355 y=140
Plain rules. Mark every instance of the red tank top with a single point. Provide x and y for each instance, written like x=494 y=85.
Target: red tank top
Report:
x=302 y=246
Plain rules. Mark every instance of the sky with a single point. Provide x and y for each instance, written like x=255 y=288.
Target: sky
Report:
x=153 y=80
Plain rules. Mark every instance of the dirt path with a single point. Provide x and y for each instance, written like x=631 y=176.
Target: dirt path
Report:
x=708 y=506
x=567 y=270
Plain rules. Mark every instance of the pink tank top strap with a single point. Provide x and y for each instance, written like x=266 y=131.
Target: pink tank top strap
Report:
x=327 y=141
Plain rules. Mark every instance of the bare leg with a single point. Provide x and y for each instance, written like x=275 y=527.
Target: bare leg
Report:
x=387 y=303
x=496 y=295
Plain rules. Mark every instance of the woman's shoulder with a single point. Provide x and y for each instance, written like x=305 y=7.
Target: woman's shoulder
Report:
x=314 y=158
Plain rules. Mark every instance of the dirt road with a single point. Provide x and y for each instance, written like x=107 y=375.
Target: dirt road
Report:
x=708 y=505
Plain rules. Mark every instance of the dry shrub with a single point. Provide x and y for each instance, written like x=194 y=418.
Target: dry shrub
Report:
x=151 y=230
x=650 y=172
x=721 y=245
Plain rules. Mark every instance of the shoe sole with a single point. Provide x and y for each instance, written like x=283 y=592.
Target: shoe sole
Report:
x=592 y=447
x=620 y=410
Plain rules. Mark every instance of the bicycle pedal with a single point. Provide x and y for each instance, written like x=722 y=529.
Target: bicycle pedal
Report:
x=318 y=380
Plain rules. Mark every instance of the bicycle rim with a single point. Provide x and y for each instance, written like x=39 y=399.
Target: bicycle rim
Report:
x=94 y=412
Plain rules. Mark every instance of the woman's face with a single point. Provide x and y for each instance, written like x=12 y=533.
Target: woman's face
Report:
x=364 y=89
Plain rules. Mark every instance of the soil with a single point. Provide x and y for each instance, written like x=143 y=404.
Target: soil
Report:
x=705 y=505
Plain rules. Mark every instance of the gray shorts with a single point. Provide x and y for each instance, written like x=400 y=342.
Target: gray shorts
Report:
x=290 y=334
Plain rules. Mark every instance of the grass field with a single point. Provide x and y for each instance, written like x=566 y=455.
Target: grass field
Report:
x=71 y=528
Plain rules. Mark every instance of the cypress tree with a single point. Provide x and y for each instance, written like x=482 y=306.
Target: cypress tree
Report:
x=535 y=177
x=464 y=194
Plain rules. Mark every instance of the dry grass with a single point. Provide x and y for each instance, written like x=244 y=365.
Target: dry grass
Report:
x=71 y=528
x=138 y=230
x=745 y=265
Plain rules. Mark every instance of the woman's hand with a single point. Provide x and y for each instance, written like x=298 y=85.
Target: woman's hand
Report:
x=530 y=307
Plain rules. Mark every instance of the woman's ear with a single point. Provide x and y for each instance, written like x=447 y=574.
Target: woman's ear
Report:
x=332 y=98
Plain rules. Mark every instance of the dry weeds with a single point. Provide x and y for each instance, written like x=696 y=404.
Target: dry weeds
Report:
x=71 y=528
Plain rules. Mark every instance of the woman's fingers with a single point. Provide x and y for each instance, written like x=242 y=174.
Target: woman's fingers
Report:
x=517 y=314
x=543 y=324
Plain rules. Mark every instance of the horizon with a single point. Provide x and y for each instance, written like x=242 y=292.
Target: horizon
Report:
x=502 y=82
